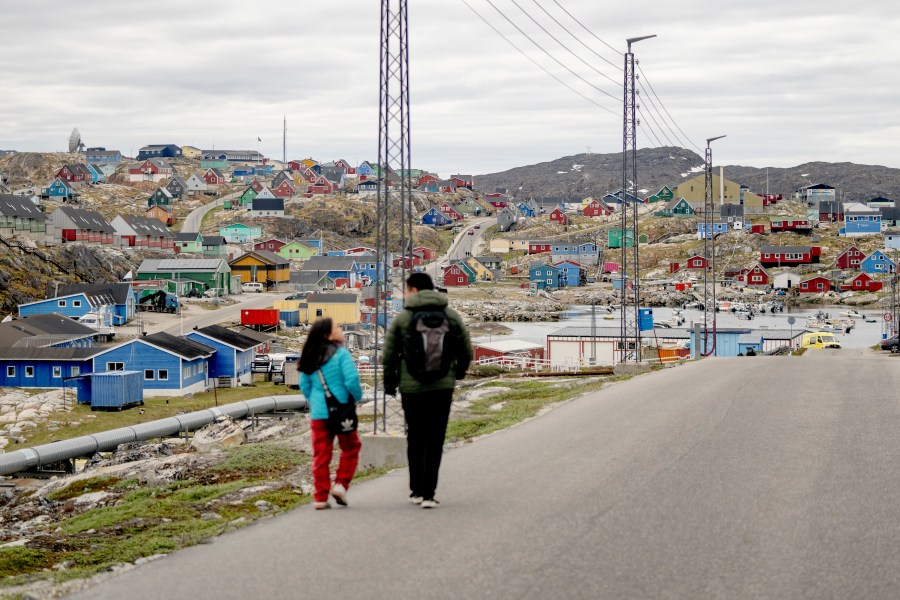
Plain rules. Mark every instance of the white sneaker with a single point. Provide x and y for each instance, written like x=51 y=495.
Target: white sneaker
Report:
x=339 y=493
x=417 y=500
x=323 y=505
x=430 y=503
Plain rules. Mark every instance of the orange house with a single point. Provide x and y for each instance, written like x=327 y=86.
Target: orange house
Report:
x=160 y=213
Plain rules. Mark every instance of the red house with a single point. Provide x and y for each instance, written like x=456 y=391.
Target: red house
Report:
x=345 y=166
x=213 y=177
x=318 y=186
x=70 y=173
x=454 y=276
x=284 y=190
x=850 y=258
x=257 y=186
x=596 y=209
x=451 y=212
x=272 y=245
x=498 y=204
x=862 y=283
x=787 y=256
x=558 y=216
x=790 y=224
x=695 y=262
x=296 y=165
x=537 y=247
x=756 y=276
x=761 y=229
x=151 y=169
x=814 y=285
x=428 y=178
x=512 y=351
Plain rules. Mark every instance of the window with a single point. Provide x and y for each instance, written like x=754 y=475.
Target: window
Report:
x=76 y=303
x=318 y=312
x=75 y=371
x=162 y=375
x=29 y=371
x=459 y=279
x=820 y=285
x=61 y=304
x=549 y=281
x=115 y=366
x=57 y=372
x=10 y=371
x=148 y=374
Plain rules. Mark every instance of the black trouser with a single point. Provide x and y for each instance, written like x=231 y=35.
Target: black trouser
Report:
x=426 y=421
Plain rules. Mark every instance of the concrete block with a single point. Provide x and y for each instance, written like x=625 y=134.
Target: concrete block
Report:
x=631 y=368
x=382 y=450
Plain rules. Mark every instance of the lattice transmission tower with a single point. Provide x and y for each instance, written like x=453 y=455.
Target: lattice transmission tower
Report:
x=709 y=253
x=394 y=217
x=629 y=320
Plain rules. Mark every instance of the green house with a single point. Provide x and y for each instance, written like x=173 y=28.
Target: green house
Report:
x=214 y=164
x=663 y=195
x=297 y=251
x=643 y=239
x=248 y=196
x=188 y=242
x=677 y=208
x=161 y=197
x=199 y=273
x=470 y=272
x=614 y=238
x=238 y=233
x=469 y=207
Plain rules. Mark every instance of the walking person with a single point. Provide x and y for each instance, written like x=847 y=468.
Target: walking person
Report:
x=326 y=366
x=427 y=349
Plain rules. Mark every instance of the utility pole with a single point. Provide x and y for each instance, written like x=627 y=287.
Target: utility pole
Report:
x=284 y=143
x=709 y=253
x=630 y=332
x=393 y=224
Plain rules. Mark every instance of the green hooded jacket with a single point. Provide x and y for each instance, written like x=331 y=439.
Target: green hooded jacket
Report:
x=396 y=375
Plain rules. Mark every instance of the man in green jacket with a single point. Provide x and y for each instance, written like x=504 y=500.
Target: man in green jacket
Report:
x=426 y=405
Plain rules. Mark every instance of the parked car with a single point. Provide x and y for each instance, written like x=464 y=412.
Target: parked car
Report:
x=892 y=344
x=478 y=227
x=471 y=232
x=252 y=286
x=297 y=296
x=819 y=339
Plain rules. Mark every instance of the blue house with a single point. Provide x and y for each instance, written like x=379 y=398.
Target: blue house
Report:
x=525 y=209
x=860 y=219
x=336 y=253
x=716 y=228
x=59 y=188
x=727 y=342
x=877 y=262
x=171 y=365
x=244 y=172
x=369 y=268
x=76 y=300
x=102 y=156
x=159 y=151
x=343 y=270
x=365 y=169
x=436 y=217
x=892 y=240
x=570 y=273
x=545 y=277
x=97 y=176
x=234 y=353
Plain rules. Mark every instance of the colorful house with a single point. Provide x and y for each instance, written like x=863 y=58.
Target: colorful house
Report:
x=152 y=170
x=787 y=256
x=238 y=233
x=344 y=270
x=877 y=262
x=571 y=273
x=715 y=228
x=614 y=238
x=850 y=258
x=539 y=246
x=143 y=232
x=233 y=357
x=75 y=300
x=482 y=273
x=545 y=277
x=213 y=177
x=795 y=225
x=263 y=267
x=213 y=246
x=205 y=272
x=435 y=218
x=451 y=212
x=677 y=208
x=596 y=208
x=72 y=224
x=159 y=151
x=892 y=240
x=271 y=244
x=60 y=188
x=21 y=217
x=559 y=217
x=815 y=285
x=160 y=197
x=188 y=242
x=455 y=276
x=860 y=220
x=297 y=250
x=862 y=283
x=757 y=276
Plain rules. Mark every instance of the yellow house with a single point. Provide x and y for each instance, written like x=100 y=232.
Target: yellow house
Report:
x=516 y=245
x=694 y=191
x=342 y=307
x=262 y=266
x=482 y=273
x=499 y=245
x=309 y=162
x=299 y=180
x=191 y=152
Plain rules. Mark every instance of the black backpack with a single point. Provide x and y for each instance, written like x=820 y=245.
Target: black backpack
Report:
x=426 y=362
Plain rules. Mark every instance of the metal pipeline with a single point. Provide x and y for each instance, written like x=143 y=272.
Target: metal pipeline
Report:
x=106 y=441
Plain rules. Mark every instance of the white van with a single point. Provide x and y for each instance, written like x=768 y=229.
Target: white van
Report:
x=253 y=286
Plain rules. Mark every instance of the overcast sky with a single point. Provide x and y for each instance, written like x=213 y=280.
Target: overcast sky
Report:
x=788 y=82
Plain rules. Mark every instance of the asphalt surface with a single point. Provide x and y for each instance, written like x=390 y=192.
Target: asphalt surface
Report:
x=765 y=477
x=462 y=244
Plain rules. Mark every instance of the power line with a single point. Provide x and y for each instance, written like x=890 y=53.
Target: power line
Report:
x=658 y=126
x=542 y=49
x=544 y=29
x=648 y=129
x=653 y=105
x=571 y=16
x=577 y=39
x=650 y=85
x=536 y=63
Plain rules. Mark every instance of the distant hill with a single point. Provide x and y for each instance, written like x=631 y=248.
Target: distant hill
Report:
x=580 y=175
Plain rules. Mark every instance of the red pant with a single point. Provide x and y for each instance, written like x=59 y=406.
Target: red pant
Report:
x=323 y=447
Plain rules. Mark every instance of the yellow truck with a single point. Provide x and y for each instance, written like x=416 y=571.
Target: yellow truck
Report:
x=819 y=339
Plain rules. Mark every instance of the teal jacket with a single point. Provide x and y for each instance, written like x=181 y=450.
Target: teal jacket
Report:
x=342 y=379
x=396 y=375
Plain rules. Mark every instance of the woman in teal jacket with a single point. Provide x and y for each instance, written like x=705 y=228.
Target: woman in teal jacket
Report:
x=324 y=351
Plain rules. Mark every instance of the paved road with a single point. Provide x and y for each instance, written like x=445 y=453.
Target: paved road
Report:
x=195 y=217
x=767 y=477
x=462 y=243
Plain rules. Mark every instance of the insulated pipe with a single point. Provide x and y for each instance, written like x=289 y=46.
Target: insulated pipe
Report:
x=106 y=441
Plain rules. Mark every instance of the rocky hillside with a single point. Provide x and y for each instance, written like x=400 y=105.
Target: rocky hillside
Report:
x=583 y=175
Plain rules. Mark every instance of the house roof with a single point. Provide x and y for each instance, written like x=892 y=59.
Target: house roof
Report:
x=783 y=249
x=227 y=336
x=258 y=336
x=182 y=346
x=213 y=240
x=860 y=209
x=671 y=204
x=87 y=219
x=890 y=213
x=615 y=332
x=264 y=203
x=118 y=291
x=333 y=174
x=263 y=256
x=509 y=345
x=308 y=277
x=152 y=265
x=148 y=226
x=20 y=206
x=188 y=236
x=54 y=328
x=328 y=263
x=335 y=298
x=819 y=186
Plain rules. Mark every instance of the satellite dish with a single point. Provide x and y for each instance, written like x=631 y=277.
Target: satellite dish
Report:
x=75 y=143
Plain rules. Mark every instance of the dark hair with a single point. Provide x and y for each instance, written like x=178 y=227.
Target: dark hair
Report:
x=420 y=281
x=316 y=345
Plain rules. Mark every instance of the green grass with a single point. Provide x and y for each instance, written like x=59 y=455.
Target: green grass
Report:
x=524 y=401
x=265 y=458
x=82 y=421
x=83 y=486
x=15 y=561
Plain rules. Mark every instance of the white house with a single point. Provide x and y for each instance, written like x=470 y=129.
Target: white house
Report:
x=786 y=281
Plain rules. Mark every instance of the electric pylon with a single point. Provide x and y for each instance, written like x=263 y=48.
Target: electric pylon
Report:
x=709 y=253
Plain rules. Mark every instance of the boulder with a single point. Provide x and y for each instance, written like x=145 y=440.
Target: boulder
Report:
x=222 y=433
x=27 y=415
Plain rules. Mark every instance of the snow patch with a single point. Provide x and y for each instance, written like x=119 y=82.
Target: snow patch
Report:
x=561 y=172
x=577 y=167
x=643 y=191
x=671 y=158
x=804 y=174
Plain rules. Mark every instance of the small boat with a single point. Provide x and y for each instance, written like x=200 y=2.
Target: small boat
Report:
x=871 y=319
x=608 y=317
x=852 y=314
